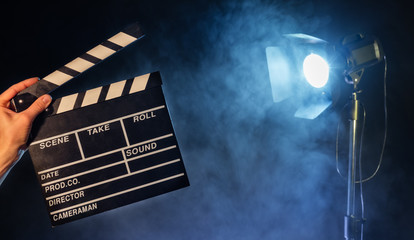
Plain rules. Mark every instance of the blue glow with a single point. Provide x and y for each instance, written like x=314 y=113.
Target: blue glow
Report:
x=316 y=70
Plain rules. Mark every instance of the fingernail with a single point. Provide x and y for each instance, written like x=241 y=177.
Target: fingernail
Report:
x=47 y=99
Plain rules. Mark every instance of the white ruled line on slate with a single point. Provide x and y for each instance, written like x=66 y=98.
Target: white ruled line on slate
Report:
x=119 y=193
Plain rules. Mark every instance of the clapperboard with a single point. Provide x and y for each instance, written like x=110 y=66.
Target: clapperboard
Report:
x=104 y=148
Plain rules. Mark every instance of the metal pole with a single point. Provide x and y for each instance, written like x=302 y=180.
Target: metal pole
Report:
x=353 y=225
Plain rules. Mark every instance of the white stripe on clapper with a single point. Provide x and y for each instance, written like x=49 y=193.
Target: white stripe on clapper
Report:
x=139 y=83
x=57 y=77
x=100 y=52
x=115 y=90
x=122 y=39
x=79 y=64
x=91 y=96
x=67 y=103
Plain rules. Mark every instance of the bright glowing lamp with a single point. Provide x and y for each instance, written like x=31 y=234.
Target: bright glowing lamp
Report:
x=316 y=70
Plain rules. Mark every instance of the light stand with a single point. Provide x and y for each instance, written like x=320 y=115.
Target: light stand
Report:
x=353 y=227
x=360 y=51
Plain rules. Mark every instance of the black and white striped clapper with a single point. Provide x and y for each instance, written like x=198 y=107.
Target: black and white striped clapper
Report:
x=72 y=69
x=105 y=148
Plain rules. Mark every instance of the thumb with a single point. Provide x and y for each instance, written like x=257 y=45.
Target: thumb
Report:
x=38 y=106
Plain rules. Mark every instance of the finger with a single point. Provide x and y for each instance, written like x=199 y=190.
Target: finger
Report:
x=7 y=95
x=37 y=107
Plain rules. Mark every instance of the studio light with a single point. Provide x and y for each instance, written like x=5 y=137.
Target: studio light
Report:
x=299 y=71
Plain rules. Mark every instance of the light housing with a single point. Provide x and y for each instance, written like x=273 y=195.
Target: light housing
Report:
x=360 y=51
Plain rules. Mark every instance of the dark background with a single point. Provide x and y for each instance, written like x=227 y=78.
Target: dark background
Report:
x=255 y=172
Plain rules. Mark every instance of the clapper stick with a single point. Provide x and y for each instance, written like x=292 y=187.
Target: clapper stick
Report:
x=79 y=65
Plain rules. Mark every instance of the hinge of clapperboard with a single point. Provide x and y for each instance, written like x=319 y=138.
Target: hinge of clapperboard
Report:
x=74 y=68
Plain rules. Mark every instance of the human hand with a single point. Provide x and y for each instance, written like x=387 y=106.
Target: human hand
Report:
x=15 y=127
